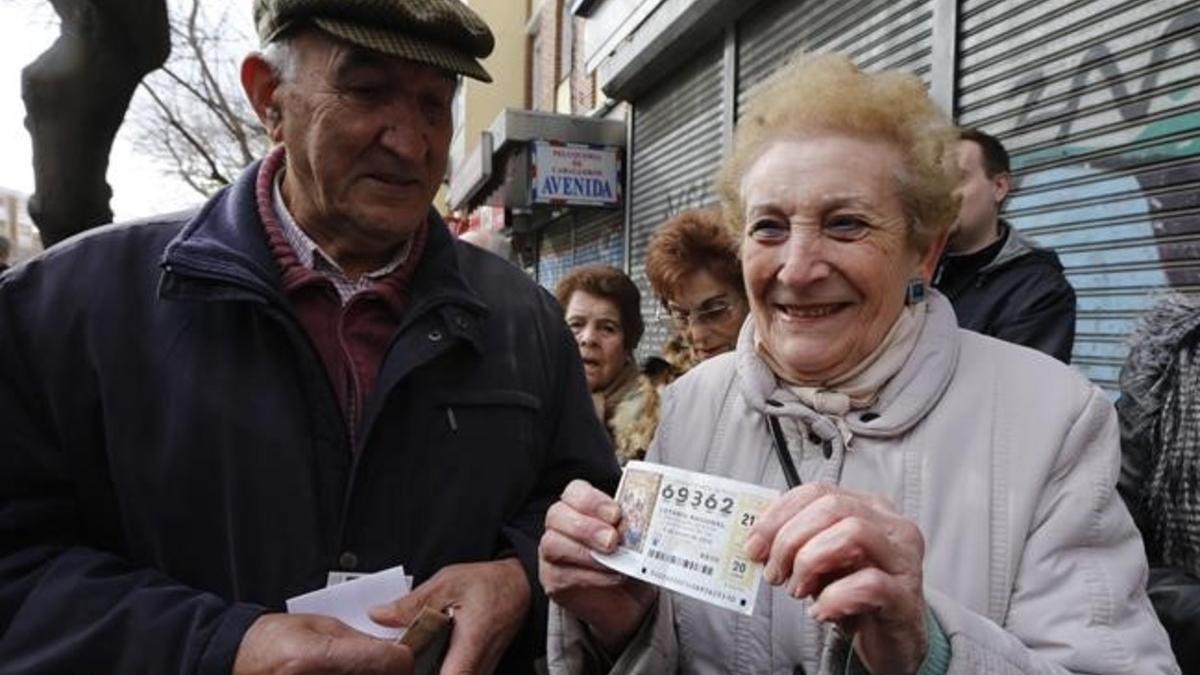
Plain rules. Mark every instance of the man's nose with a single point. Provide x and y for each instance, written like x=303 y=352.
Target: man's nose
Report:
x=404 y=135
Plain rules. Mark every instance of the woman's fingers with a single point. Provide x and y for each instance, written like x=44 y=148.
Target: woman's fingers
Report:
x=852 y=543
x=558 y=549
x=884 y=612
x=559 y=579
x=581 y=522
x=587 y=530
x=868 y=592
x=782 y=510
x=817 y=516
x=825 y=533
x=584 y=498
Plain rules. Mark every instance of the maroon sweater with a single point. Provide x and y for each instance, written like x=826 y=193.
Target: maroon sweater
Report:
x=351 y=339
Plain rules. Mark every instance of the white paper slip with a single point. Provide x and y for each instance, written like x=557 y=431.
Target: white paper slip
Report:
x=349 y=601
x=685 y=531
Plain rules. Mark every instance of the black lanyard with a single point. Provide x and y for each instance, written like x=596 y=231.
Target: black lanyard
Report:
x=781 y=451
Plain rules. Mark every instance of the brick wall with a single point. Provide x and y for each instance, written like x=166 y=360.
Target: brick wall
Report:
x=583 y=85
x=544 y=56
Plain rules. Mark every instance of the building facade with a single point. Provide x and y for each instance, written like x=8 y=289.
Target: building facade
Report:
x=547 y=170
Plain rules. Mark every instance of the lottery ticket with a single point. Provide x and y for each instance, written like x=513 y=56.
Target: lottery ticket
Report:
x=685 y=531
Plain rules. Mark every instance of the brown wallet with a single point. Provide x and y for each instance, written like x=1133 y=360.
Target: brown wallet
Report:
x=428 y=637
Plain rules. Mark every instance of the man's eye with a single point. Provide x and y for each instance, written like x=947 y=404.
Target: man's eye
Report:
x=434 y=110
x=768 y=229
x=365 y=89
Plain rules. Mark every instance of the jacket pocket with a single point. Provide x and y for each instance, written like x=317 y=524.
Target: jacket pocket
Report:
x=495 y=421
x=490 y=439
x=490 y=398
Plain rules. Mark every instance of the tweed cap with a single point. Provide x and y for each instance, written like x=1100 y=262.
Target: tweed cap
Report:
x=441 y=33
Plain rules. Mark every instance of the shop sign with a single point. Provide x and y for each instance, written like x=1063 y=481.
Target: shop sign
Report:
x=573 y=174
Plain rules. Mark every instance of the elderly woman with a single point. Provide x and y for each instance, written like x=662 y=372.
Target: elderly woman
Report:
x=951 y=504
x=692 y=263
x=602 y=307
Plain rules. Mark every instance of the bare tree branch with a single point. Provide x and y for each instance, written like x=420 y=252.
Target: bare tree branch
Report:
x=198 y=147
x=195 y=121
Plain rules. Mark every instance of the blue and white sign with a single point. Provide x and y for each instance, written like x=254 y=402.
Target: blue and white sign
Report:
x=583 y=175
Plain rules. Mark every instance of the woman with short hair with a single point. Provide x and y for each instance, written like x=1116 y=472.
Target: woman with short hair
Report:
x=949 y=499
x=692 y=264
x=602 y=307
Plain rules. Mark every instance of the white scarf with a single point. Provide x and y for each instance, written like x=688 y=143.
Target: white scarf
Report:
x=858 y=387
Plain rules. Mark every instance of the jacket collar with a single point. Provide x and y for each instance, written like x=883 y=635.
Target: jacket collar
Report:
x=222 y=254
x=1016 y=245
x=224 y=241
x=903 y=402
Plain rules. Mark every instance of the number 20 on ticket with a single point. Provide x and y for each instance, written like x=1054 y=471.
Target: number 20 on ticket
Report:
x=685 y=531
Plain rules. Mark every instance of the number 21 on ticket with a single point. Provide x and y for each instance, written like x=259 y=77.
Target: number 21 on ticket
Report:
x=685 y=531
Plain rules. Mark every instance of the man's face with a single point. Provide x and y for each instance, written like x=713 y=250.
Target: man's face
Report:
x=981 y=199
x=367 y=137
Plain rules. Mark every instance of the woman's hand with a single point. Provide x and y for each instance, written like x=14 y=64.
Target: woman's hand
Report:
x=611 y=604
x=861 y=563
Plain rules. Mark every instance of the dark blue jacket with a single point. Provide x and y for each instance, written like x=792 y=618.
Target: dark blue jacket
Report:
x=174 y=462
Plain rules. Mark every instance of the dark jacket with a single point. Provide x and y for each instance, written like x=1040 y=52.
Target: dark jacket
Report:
x=1168 y=333
x=175 y=462
x=1020 y=296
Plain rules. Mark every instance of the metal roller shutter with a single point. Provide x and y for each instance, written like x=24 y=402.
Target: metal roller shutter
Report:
x=554 y=253
x=580 y=237
x=877 y=35
x=598 y=238
x=677 y=147
x=1099 y=105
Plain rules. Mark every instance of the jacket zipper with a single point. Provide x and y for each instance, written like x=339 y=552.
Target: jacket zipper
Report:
x=270 y=298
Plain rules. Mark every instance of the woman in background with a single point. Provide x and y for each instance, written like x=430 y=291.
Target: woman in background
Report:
x=602 y=307
x=693 y=267
x=692 y=263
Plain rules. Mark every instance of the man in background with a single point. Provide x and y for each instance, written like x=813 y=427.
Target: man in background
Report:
x=1000 y=282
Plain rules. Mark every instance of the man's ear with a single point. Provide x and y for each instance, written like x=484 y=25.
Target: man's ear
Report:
x=261 y=85
x=1001 y=186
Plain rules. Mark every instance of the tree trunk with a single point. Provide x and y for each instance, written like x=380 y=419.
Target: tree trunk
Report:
x=76 y=95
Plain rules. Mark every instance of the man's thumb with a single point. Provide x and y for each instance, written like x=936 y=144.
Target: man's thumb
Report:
x=399 y=612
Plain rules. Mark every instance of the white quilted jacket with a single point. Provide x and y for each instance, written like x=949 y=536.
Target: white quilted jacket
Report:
x=1005 y=457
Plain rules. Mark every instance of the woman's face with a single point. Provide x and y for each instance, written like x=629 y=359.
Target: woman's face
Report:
x=826 y=252
x=707 y=312
x=596 y=323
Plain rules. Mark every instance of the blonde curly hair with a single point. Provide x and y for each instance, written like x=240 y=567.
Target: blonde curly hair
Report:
x=828 y=95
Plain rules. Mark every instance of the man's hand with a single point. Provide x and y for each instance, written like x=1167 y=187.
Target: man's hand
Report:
x=299 y=644
x=611 y=604
x=861 y=563
x=489 y=601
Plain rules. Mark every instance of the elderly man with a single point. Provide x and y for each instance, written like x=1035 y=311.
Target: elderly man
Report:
x=206 y=415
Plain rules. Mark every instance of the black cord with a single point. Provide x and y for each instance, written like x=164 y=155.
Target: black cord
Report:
x=781 y=451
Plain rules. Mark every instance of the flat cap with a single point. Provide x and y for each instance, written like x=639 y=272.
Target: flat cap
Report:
x=441 y=33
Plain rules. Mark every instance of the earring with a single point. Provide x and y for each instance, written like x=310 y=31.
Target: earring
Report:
x=914 y=292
